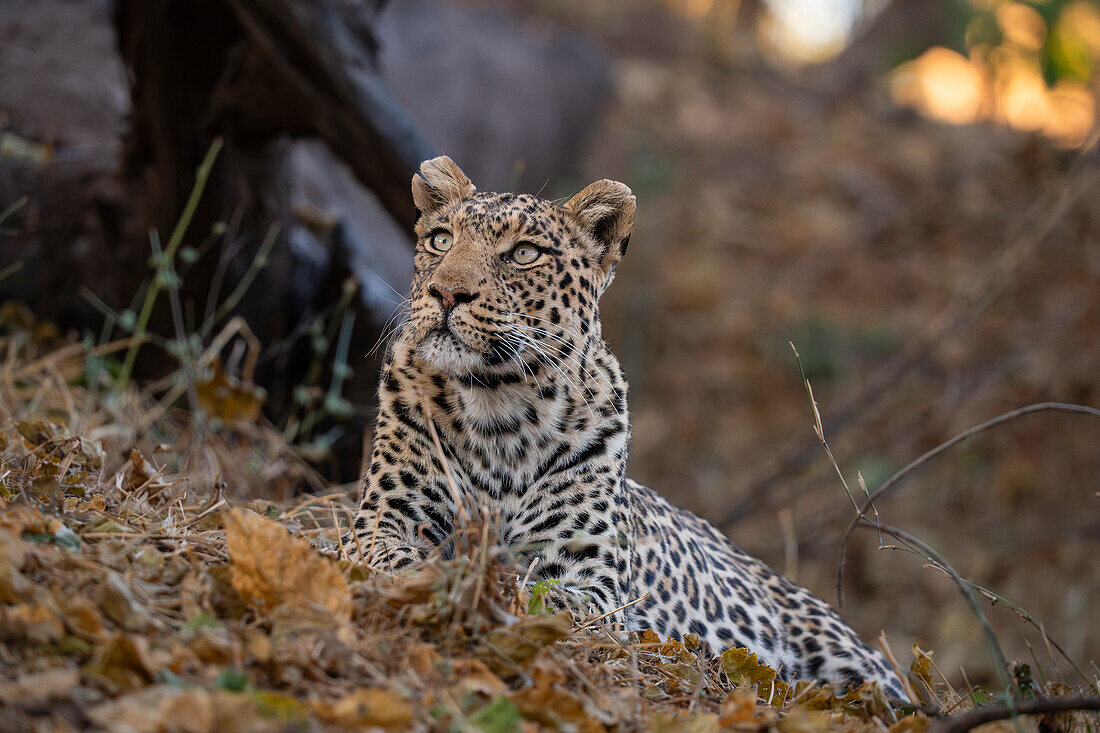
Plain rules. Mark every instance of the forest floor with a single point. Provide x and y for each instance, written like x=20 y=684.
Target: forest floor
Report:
x=139 y=591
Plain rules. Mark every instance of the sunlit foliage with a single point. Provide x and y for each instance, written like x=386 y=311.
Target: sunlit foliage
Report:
x=1031 y=66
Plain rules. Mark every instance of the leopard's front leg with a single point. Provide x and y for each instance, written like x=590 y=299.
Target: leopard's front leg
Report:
x=404 y=512
x=578 y=531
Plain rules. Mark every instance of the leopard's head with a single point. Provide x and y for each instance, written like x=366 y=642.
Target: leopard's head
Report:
x=508 y=279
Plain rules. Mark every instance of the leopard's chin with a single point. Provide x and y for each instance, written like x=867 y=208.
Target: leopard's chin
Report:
x=445 y=352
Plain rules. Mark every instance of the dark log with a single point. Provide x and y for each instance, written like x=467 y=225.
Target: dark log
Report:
x=324 y=60
x=987 y=714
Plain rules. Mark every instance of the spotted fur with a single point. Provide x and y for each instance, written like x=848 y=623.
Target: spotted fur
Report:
x=529 y=405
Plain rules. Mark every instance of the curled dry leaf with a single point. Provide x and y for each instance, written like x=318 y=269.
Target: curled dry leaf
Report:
x=228 y=398
x=142 y=474
x=270 y=570
x=920 y=675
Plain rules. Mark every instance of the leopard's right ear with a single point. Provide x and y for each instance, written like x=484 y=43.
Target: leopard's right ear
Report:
x=439 y=184
x=605 y=210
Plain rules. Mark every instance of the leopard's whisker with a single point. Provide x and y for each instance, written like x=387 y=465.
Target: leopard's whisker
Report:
x=398 y=325
x=523 y=366
x=575 y=359
x=545 y=359
x=546 y=333
x=549 y=362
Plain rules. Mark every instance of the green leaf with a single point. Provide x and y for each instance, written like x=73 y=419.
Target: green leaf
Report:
x=64 y=538
x=169 y=677
x=202 y=621
x=537 y=604
x=231 y=679
x=499 y=716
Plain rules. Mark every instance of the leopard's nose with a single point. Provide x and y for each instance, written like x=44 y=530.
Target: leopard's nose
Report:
x=450 y=297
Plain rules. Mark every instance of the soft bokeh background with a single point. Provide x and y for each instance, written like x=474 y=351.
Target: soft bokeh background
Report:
x=905 y=190
x=771 y=210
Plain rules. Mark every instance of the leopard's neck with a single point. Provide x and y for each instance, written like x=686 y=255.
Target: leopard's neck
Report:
x=507 y=427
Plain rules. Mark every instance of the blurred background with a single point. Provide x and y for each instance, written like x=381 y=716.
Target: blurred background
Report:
x=905 y=189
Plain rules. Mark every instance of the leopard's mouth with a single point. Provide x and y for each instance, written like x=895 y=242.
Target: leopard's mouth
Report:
x=445 y=350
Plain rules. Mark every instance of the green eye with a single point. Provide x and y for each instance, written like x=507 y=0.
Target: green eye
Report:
x=525 y=254
x=441 y=241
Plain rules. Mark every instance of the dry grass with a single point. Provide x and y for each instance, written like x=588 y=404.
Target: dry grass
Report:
x=145 y=587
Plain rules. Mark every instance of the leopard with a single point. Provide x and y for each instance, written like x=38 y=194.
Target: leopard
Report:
x=500 y=394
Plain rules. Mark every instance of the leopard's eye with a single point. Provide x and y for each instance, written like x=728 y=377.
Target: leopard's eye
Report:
x=441 y=241
x=524 y=253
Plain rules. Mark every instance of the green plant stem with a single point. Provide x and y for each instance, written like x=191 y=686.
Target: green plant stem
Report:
x=258 y=263
x=16 y=206
x=201 y=176
x=11 y=270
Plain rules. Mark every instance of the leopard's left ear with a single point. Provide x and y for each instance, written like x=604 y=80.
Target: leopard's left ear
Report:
x=605 y=210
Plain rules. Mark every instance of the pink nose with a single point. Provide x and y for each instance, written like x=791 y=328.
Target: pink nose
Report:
x=450 y=297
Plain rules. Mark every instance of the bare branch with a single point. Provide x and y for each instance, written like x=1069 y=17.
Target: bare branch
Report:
x=979 y=716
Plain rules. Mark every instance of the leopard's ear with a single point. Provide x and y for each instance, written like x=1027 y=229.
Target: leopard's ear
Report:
x=605 y=210
x=440 y=183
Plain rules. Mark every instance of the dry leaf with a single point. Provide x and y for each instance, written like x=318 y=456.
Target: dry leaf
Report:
x=33 y=689
x=738 y=707
x=157 y=709
x=473 y=675
x=910 y=724
x=366 y=707
x=505 y=647
x=920 y=675
x=744 y=668
x=37 y=430
x=142 y=475
x=228 y=398
x=14 y=587
x=548 y=703
x=123 y=661
x=801 y=720
x=118 y=604
x=31 y=622
x=700 y=722
x=215 y=646
x=270 y=570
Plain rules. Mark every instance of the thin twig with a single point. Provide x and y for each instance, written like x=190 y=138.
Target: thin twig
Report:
x=966 y=307
x=941 y=448
x=965 y=588
x=905 y=683
x=601 y=617
x=427 y=410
